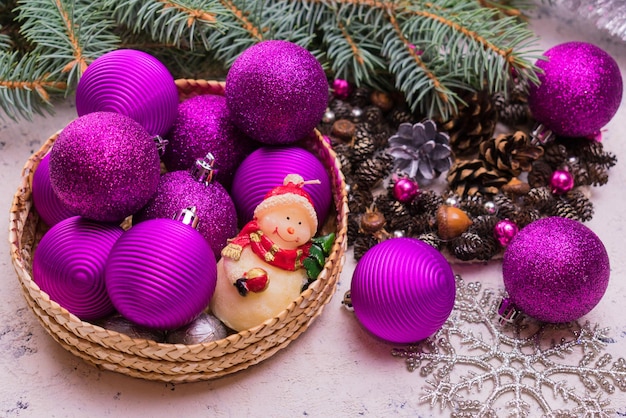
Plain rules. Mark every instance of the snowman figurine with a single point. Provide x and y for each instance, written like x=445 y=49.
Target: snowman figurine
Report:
x=261 y=270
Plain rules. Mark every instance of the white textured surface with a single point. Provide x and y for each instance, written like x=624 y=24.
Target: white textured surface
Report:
x=334 y=369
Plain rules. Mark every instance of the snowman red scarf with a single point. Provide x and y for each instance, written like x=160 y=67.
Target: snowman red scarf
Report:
x=265 y=249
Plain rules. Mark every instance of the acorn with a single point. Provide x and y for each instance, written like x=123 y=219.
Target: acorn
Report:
x=451 y=222
x=516 y=187
x=372 y=221
x=344 y=130
x=382 y=100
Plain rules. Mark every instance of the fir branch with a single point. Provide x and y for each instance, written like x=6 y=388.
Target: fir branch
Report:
x=25 y=85
x=67 y=35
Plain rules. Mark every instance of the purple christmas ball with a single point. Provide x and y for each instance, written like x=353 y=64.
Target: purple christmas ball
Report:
x=277 y=92
x=204 y=124
x=177 y=190
x=48 y=205
x=267 y=167
x=132 y=83
x=69 y=264
x=402 y=290
x=556 y=270
x=161 y=274
x=580 y=90
x=104 y=166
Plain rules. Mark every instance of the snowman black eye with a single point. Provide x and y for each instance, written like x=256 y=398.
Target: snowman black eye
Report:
x=288 y=218
x=299 y=223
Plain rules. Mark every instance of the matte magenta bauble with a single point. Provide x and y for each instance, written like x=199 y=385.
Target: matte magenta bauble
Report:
x=556 y=270
x=277 y=92
x=580 y=91
x=46 y=202
x=204 y=124
x=177 y=190
x=69 y=265
x=104 y=166
x=402 y=290
x=161 y=274
x=132 y=83
x=268 y=166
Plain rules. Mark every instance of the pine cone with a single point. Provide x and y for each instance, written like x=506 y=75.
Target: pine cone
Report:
x=422 y=225
x=427 y=202
x=473 y=205
x=344 y=155
x=539 y=198
x=563 y=209
x=431 y=239
x=364 y=146
x=359 y=199
x=400 y=116
x=362 y=244
x=510 y=153
x=591 y=152
x=398 y=218
x=341 y=109
x=514 y=109
x=353 y=227
x=506 y=207
x=555 y=154
x=473 y=124
x=360 y=97
x=472 y=177
x=541 y=173
x=371 y=172
x=373 y=115
x=580 y=202
x=471 y=246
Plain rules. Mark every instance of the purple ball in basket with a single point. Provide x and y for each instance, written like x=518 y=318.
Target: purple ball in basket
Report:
x=104 y=166
x=203 y=124
x=217 y=217
x=161 y=274
x=48 y=205
x=556 y=270
x=402 y=290
x=268 y=166
x=277 y=92
x=69 y=264
x=132 y=83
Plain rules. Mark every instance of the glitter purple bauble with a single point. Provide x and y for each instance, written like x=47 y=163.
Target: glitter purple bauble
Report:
x=580 y=90
x=277 y=92
x=47 y=204
x=267 y=167
x=104 y=166
x=132 y=83
x=556 y=270
x=69 y=265
x=402 y=290
x=203 y=124
x=161 y=274
x=177 y=190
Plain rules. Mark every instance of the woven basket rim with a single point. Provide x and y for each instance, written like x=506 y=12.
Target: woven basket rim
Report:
x=23 y=216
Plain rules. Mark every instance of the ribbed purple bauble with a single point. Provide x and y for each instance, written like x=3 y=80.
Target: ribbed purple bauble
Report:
x=267 y=167
x=277 y=92
x=217 y=217
x=402 y=290
x=48 y=205
x=556 y=270
x=104 y=166
x=161 y=274
x=132 y=83
x=204 y=124
x=69 y=264
x=580 y=90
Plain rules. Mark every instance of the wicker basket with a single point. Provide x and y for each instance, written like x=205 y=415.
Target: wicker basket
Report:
x=147 y=359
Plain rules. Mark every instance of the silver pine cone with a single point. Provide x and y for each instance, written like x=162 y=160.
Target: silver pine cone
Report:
x=420 y=151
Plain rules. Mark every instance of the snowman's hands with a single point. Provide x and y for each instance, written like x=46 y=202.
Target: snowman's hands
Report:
x=254 y=280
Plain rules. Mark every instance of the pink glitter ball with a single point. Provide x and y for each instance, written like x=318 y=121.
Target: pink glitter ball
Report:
x=341 y=88
x=561 y=182
x=104 y=166
x=556 y=270
x=402 y=290
x=204 y=124
x=177 y=190
x=580 y=90
x=277 y=92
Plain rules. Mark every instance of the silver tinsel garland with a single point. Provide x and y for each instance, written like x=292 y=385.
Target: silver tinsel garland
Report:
x=608 y=16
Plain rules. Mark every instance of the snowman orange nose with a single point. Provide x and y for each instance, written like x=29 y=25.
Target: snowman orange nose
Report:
x=291 y=230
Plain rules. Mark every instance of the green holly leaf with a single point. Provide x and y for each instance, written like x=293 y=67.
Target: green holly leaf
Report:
x=312 y=267
x=325 y=243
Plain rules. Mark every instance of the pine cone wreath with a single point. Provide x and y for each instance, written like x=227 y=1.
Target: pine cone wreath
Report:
x=510 y=153
x=473 y=177
x=474 y=123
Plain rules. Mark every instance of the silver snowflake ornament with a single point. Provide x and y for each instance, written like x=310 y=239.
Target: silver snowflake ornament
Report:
x=420 y=151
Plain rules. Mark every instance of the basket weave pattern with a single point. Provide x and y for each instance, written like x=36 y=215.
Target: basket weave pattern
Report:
x=111 y=350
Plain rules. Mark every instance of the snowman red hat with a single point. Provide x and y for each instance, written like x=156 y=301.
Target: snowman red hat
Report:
x=290 y=193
